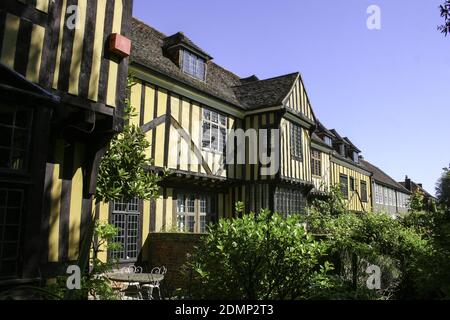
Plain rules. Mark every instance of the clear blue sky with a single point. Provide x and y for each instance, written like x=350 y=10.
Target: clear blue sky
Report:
x=387 y=90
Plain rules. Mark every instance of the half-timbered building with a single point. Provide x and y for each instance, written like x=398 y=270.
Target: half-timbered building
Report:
x=223 y=138
x=389 y=196
x=192 y=110
x=63 y=72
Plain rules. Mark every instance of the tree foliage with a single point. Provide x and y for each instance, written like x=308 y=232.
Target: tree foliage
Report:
x=261 y=256
x=445 y=13
x=124 y=169
x=323 y=254
x=443 y=188
x=411 y=251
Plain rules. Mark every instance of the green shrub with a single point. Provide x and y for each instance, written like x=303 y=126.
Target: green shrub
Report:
x=261 y=256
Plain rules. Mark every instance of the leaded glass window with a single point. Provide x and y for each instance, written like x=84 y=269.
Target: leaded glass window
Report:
x=126 y=217
x=193 y=65
x=214 y=131
x=11 y=208
x=15 y=133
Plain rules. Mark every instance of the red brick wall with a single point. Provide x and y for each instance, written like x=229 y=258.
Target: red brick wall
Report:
x=171 y=250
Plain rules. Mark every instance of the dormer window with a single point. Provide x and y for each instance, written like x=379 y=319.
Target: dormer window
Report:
x=355 y=157
x=328 y=140
x=341 y=149
x=193 y=65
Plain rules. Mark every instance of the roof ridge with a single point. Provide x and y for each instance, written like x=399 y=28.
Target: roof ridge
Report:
x=163 y=35
x=272 y=78
x=383 y=172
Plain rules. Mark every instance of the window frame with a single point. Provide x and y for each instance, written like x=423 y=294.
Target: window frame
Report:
x=296 y=135
x=17 y=241
x=28 y=128
x=196 y=61
x=127 y=213
x=199 y=226
x=289 y=201
x=316 y=162
x=341 y=177
x=365 y=194
x=328 y=141
x=222 y=131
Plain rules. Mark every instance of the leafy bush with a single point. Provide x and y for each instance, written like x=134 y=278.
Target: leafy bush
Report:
x=411 y=262
x=124 y=169
x=261 y=256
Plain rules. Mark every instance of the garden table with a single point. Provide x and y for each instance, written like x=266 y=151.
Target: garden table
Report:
x=142 y=278
x=134 y=278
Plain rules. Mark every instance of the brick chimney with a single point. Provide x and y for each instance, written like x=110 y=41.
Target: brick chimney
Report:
x=408 y=183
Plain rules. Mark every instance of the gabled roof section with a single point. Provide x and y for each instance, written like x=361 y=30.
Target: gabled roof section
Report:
x=322 y=128
x=252 y=78
x=351 y=144
x=148 y=51
x=416 y=186
x=383 y=178
x=337 y=135
x=179 y=39
x=265 y=93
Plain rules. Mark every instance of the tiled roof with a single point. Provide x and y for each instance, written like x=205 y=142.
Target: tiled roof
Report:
x=147 y=50
x=179 y=38
x=415 y=186
x=265 y=93
x=247 y=93
x=383 y=178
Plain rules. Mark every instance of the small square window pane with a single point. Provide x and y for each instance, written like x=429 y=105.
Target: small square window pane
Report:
x=223 y=139
x=5 y=136
x=214 y=137
x=4 y=157
x=206 y=114
x=12 y=216
x=6 y=117
x=202 y=224
x=18 y=160
x=206 y=135
x=20 y=139
x=22 y=119
x=10 y=250
x=14 y=199
x=11 y=233
x=223 y=120
x=191 y=223
x=9 y=268
x=214 y=117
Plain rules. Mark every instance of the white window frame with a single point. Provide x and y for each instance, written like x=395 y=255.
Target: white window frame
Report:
x=192 y=211
x=193 y=65
x=214 y=125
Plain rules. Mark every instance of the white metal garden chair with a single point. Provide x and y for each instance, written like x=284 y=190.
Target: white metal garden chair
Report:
x=132 y=288
x=155 y=284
